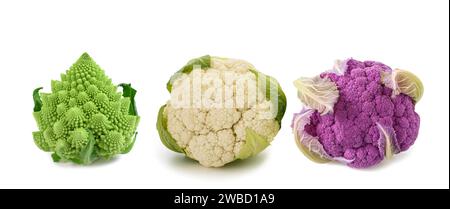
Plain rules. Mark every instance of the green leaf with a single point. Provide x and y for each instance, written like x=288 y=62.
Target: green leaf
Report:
x=203 y=62
x=37 y=100
x=282 y=102
x=130 y=146
x=165 y=136
x=254 y=144
x=408 y=83
x=56 y=158
x=387 y=135
x=317 y=93
x=308 y=145
x=87 y=154
x=128 y=91
x=272 y=87
x=314 y=156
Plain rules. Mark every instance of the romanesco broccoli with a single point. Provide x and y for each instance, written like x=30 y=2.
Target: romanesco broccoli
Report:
x=85 y=118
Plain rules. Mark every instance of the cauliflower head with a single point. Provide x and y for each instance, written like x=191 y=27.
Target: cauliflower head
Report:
x=220 y=110
x=360 y=113
x=85 y=118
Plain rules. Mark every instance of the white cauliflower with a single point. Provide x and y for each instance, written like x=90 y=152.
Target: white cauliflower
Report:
x=220 y=110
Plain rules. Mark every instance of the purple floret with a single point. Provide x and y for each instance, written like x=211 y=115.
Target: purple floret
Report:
x=351 y=130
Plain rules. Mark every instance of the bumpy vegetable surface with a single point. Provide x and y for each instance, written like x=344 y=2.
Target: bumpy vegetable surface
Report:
x=85 y=118
x=213 y=134
x=359 y=114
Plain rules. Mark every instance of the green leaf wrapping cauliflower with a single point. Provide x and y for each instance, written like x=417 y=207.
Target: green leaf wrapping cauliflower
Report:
x=85 y=118
x=220 y=110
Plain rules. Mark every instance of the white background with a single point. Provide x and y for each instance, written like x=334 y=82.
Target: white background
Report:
x=145 y=42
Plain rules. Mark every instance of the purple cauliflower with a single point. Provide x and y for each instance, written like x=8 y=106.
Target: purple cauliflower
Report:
x=359 y=113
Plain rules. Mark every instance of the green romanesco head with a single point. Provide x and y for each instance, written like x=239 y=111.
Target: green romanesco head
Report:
x=85 y=118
